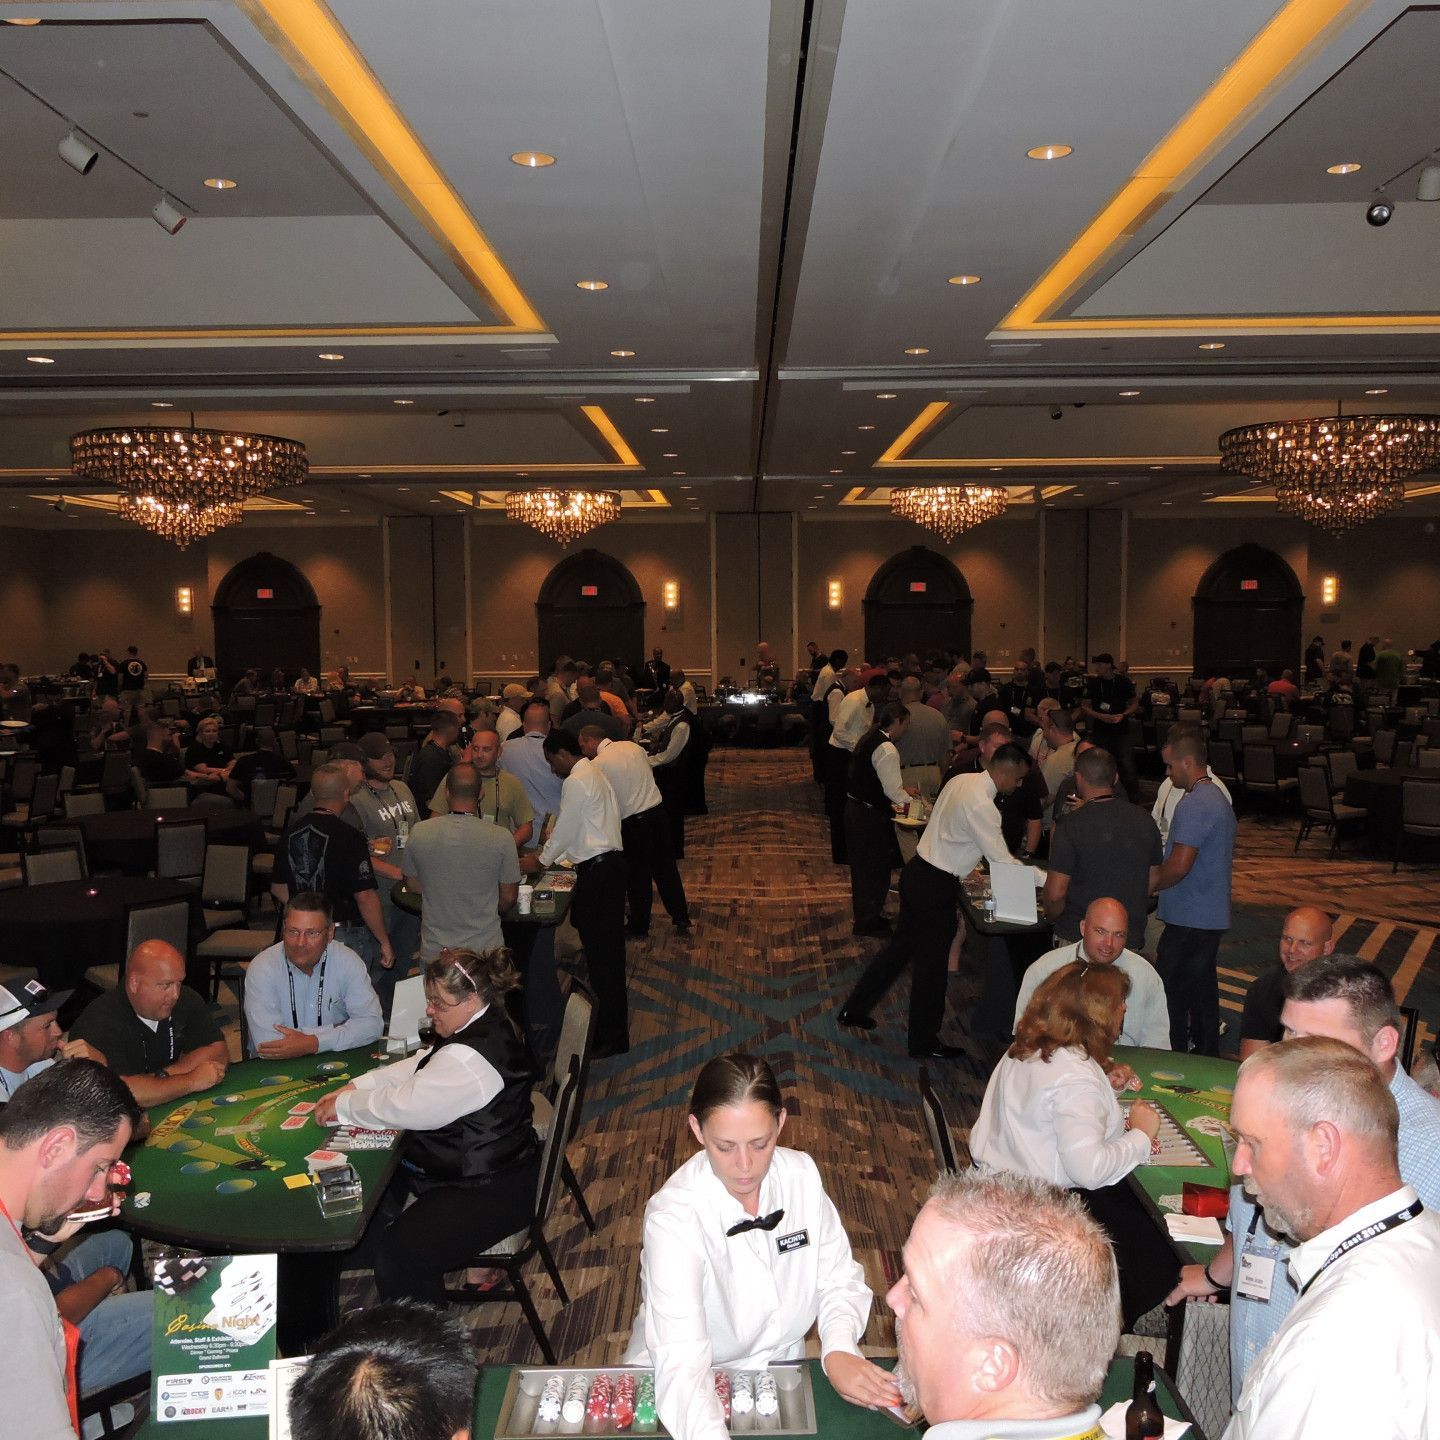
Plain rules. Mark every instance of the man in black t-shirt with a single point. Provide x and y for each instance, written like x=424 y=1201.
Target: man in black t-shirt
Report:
x=1018 y=697
x=134 y=680
x=1306 y=934
x=154 y=1032
x=265 y=762
x=160 y=762
x=1110 y=700
x=321 y=852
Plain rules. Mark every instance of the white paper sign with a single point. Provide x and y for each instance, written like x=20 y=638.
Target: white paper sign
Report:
x=1014 y=887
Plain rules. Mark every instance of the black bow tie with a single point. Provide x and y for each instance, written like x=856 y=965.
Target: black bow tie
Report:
x=760 y=1222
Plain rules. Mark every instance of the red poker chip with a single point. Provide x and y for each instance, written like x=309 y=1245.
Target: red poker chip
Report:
x=119 y=1174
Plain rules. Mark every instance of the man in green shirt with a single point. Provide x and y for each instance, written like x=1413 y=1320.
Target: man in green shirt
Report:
x=502 y=796
x=1389 y=668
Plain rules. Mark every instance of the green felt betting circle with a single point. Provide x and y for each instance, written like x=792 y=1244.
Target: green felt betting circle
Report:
x=199 y=1167
x=234 y=1187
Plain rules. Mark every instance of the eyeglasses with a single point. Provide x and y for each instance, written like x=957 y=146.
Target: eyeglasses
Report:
x=312 y=935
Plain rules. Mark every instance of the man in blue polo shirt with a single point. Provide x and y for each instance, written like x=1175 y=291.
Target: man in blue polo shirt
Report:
x=1194 y=887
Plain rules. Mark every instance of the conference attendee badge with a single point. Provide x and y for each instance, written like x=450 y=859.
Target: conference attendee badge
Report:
x=796 y=1240
x=1256 y=1277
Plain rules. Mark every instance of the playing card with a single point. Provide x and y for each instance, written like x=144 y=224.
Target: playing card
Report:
x=295 y=1122
x=324 y=1159
x=303 y=1108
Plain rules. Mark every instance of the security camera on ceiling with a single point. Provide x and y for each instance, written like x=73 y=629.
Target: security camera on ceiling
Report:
x=1380 y=211
x=1057 y=413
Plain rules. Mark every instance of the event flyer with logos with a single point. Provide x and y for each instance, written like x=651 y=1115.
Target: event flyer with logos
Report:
x=214 y=1337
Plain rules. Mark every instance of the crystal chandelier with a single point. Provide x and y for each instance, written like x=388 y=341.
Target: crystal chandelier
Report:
x=563 y=515
x=1335 y=471
x=949 y=510
x=185 y=483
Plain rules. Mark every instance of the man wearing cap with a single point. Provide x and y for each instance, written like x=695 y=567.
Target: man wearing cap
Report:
x=30 y=1039
x=432 y=759
x=508 y=722
x=388 y=812
x=351 y=759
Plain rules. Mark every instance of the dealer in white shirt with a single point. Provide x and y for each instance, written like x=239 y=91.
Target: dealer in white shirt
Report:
x=743 y=1252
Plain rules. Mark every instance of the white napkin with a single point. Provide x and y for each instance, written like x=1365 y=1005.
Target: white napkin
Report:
x=1195 y=1229
x=1112 y=1422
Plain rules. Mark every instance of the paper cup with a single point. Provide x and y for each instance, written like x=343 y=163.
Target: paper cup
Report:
x=527 y=895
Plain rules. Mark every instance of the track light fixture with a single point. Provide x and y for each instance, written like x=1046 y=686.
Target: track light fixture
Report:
x=1380 y=211
x=167 y=216
x=1427 y=187
x=79 y=156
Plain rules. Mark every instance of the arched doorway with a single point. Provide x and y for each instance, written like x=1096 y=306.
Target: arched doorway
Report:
x=266 y=615
x=917 y=601
x=1248 y=612
x=590 y=608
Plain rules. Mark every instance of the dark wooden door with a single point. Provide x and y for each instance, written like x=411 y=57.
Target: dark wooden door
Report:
x=1248 y=610
x=266 y=615
x=590 y=608
x=917 y=601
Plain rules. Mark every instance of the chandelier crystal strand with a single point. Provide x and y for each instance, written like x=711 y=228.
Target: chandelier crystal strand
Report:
x=563 y=515
x=180 y=523
x=949 y=510
x=1335 y=471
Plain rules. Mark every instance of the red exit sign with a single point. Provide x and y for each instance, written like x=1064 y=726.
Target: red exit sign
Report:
x=589 y=592
x=1249 y=584
x=917 y=587
x=265 y=594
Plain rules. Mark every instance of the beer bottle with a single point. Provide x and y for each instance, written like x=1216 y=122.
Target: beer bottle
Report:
x=1143 y=1419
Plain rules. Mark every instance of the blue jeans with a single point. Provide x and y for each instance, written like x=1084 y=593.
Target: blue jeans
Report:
x=360 y=939
x=115 y=1335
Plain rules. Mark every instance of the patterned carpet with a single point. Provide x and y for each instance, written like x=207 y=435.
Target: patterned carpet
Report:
x=770 y=958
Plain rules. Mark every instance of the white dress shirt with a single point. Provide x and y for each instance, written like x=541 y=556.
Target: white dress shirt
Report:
x=507 y=723
x=886 y=761
x=589 y=821
x=852 y=719
x=675 y=744
x=456 y=1082
x=1147 y=1018
x=1359 y=1355
x=691 y=698
x=822 y=682
x=1057 y=1120
x=739 y=1301
x=627 y=767
x=1167 y=797
x=964 y=825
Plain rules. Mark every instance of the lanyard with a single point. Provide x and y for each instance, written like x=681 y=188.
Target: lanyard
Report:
x=319 y=994
x=5 y=1211
x=1369 y=1232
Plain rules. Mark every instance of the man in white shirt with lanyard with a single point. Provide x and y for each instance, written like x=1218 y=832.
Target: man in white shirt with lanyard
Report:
x=587 y=834
x=1316 y=1128
x=644 y=830
x=964 y=825
x=309 y=993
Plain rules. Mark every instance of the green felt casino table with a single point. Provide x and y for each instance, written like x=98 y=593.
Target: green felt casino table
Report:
x=215 y=1164
x=1189 y=1087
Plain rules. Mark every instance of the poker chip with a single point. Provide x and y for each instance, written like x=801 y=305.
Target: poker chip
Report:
x=142 y=1200
x=120 y=1175
x=551 y=1398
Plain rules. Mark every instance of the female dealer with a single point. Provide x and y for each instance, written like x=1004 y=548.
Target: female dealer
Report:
x=743 y=1252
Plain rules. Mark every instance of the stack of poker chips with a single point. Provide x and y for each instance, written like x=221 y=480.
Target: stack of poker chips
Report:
x=767 y=1398
x=622 y=1407
x=597 y=1407
x=645 y=1403
x=548 y=1411
x=742 y=1393
x=573 y=1410
x=722 y=1392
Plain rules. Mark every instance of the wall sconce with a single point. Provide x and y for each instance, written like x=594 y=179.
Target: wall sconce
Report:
x=834 y=595
x=1330 y=590
x=670 y=595
x=184 y=600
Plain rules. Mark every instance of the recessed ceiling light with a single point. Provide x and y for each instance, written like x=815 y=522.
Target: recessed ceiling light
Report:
x=1112 y=482
x=219 y=182
x=918 y=350
x=1345 y=167
x=886 y=395
x=687 y=487
x=670 y=455
x=1377 y=392
x=25 y=20
x=677 y=472
x=644 y=399
x=162 y=404
x=532 y=159
x=1129 y=394
x=40 y=359
x=344 y=510
x=1157 y=467
x=331 y=355
x=847 y=452
x=622 y=354
x=592 y=284
x=402 y=402
x=1213 y=345
x=864 y=427
x=434 y=502
x=812 y=507
x=837 y=472
x=1207 y=492
x=364 y=474
x=963 y=280
x=1050 y=152
x=403 y=489
x=1167 y=502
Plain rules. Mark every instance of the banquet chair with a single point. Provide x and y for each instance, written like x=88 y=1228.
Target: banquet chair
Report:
x=1428 y=758
x=1319 y=807
x=141 y=789
x=514 y=1252
x=169 y=920
x=167 y=797
x=1310 y=734
x=1220 y=756
x=1419 y=814
x=577 y=1038
x=937 y=1125
x=225 y=886
x=25 y=820
x=1384 y=745
x=54 y=865
x=1260 y=775
x=1280 y=725
x=91 y=804
x=1343 y=764
x=59 y=837
x=180 y=850
x=262 y=796
x=67 y=779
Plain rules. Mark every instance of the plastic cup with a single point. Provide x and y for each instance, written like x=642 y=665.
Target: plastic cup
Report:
x=527 y=897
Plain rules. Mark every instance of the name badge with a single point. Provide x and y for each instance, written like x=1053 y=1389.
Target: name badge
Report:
x=1014 y=709
x=798 y=1240
x=1256 y=1277
x=1104 y=704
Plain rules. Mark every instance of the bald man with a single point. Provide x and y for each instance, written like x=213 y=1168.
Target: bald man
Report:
x=156 y=1034
x=1306 y=935
x=1103 y=930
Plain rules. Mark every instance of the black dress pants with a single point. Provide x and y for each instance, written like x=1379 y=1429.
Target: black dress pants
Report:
x=837 y=776
x=532 y=948
x=447 y=1226
x=1185 y=959
x=649 y=858
x=1147 y=1265
x=874 y=853
x=923 y=935
x=597 y=910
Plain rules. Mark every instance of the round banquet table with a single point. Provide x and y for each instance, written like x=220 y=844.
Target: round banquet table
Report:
x=124 y=840
x=1379 y=792
x=62 y=929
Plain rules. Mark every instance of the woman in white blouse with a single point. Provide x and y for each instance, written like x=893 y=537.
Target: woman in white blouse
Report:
x=743 y=1253
x=469 y=1158
x=1050 y=1111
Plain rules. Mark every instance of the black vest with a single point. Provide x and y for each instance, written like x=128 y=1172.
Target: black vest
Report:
x=864 y=784
x=491 y=1139
x=673 y=772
